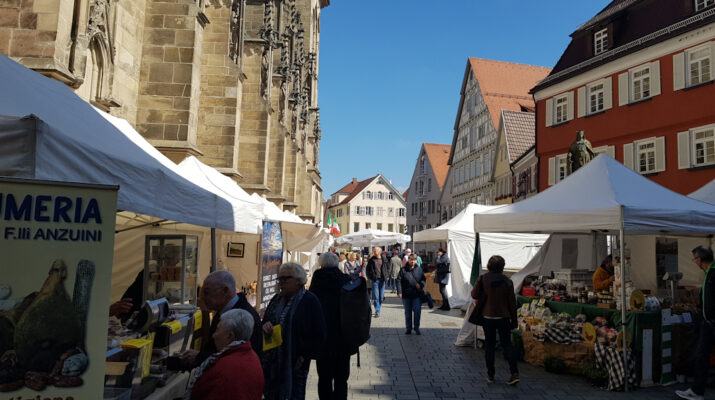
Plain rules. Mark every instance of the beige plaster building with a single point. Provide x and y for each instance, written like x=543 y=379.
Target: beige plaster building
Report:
x=369 y=204
x=515 y=174
x=234 y=82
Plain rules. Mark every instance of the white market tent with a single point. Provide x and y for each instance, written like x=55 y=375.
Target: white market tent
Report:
x=49 y=133
x=372 y=237
x=460 y=236
x=705 y=193
x=604 y=195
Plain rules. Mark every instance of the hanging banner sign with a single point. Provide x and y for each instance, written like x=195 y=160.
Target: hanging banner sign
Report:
x=56 y=248
x=271 y=257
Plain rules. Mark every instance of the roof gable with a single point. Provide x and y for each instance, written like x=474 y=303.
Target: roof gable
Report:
x=519 y=128
x=360 y=186
x=503 y=86
x=438 y=155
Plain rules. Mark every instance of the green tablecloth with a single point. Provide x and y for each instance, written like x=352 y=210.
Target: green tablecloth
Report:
x=635 y=321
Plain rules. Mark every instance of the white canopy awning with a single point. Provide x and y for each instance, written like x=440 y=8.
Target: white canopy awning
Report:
x=705 y=193
x=461 y=227
x=49 y=133
x=372 y=237
x=600 y=196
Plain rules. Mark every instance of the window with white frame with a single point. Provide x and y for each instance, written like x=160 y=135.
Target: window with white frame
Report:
x=356 y=226
x=640 y=83
x=379 y=211
x=645 y=154
x=702 y=4
x=465 y=141
x=562 y=172
x=595 y=98
x=422 y=188
x=698 y=65
x=368 y=211
x=600 y=41
x=339 y=212
x=379 y=195
x=561 y=109
x=487 y=163
x=390 y=211
x=368 y=195
x=390 y=196
x=401 y=212
x=704 y=147
x=358 y=210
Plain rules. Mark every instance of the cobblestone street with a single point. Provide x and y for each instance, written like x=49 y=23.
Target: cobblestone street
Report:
x=398 y=366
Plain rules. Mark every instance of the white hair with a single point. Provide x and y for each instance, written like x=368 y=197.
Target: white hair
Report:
x=223 y=279
x=238 y=321
x=328 y=260
x=296 y=270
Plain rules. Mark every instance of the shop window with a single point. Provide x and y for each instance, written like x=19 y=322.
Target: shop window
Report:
x=367 y=225
x=379 y=226
x=390 y=227
x=356 y=227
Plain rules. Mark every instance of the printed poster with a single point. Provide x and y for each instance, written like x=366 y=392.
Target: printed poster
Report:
x=56 y=246
x=271 y=257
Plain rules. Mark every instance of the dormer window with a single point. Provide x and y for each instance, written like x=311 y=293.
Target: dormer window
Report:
x=703 y=4
x=600 y=41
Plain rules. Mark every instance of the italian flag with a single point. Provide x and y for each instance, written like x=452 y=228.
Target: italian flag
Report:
x=333 y=225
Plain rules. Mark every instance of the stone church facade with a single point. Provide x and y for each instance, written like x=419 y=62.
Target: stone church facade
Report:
x=234 y=82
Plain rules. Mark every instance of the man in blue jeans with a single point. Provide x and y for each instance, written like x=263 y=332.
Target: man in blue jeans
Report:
x=410 y=284
x=703 y=258
x=378 y=271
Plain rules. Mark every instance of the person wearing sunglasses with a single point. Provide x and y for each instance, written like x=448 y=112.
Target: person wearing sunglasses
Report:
x=302 y=326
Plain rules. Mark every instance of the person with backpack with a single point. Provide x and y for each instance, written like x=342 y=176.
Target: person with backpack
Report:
x=410 y=285
x=333 y=362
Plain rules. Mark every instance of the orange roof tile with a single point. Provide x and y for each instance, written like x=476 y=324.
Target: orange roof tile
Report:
x=438 y=155
x=404 y=195
x=357 y=187
x=505 y=85
x=349 y=187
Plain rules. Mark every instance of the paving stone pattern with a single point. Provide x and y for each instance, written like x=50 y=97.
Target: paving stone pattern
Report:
x=411 y=367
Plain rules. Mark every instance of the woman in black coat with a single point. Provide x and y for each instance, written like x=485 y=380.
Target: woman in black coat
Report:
x=441 y=277
x=410 y=285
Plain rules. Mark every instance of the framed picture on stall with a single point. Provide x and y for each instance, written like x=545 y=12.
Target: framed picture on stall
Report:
x=235 y=249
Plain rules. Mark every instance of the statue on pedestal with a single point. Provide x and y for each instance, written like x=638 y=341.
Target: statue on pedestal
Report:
x=579 y=153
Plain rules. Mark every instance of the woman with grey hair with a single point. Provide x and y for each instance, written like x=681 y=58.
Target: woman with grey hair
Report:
x=216 y=376
x=298 y=315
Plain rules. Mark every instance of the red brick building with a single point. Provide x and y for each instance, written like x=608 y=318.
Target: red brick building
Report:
x=638 y=80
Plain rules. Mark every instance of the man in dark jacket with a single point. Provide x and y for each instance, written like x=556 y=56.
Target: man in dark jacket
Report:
x=333 y=364
x=378 y=270
x=410 y=285
x=219 y=295
x=703 y=258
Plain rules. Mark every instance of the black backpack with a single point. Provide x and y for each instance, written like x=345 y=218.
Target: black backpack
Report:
x=355 y=314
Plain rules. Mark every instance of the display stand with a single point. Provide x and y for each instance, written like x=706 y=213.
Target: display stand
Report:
x=170 y=267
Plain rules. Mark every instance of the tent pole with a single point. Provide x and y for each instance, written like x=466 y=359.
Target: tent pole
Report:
x=213 y=249
x=623 y=303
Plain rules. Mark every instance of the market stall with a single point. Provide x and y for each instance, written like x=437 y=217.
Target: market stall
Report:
x=165 y=222
x=605 y=196
x=459 y=234
x=705 y=193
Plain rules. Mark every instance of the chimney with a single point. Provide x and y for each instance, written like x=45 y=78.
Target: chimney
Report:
x=354 y=180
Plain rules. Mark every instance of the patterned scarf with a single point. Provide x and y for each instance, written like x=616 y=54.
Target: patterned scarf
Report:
x=206 y=365
x=277 y=362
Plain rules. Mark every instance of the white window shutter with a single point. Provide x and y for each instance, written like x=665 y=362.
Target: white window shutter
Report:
x=660 y=154
x=581 y=98
x=611 y=151
x=628 y=155
x=549 y=112
x=678 y=71
x=655 y=78
x=712 y=58
x=552 y=171
x=608 y=93
x=684 y=150
x=569 y=106
x=624 y=89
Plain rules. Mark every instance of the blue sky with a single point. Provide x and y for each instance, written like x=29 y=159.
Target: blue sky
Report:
x=391 y=72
